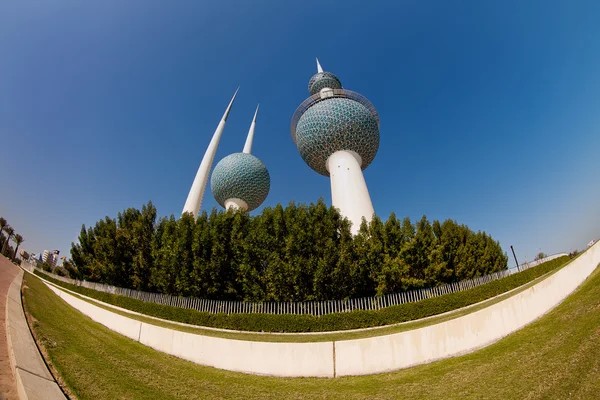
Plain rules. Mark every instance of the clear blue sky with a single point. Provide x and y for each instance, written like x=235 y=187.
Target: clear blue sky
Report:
x=490 y=111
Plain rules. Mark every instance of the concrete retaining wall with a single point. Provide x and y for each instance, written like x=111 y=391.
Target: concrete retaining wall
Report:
x=360 y=356
x=264 y=358
x=467 y=333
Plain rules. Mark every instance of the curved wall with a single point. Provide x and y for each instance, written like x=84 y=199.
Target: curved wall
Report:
x=467 y=333
x=263 y=358
x=359 y=356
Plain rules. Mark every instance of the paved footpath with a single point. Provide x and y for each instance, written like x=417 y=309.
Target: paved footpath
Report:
x=8 y=389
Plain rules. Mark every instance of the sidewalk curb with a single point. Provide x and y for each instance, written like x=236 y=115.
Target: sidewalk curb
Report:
x=33 y=379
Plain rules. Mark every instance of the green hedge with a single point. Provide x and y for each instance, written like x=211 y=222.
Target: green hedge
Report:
x=329 y=322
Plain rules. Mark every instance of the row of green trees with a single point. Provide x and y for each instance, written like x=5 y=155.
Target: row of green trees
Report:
x=5 y=248
x=294 y=253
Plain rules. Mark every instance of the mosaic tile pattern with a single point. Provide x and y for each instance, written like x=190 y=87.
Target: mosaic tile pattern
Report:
x=322 y=80
x=336 y=124
x=242 y=176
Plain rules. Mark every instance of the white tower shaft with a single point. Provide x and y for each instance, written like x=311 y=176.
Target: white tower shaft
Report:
x=349 y=191
x=194 y=199
x=236 y=204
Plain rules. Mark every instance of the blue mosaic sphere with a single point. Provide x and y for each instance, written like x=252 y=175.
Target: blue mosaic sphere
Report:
x=335 y=124
x=240 y=176
x=322 y=80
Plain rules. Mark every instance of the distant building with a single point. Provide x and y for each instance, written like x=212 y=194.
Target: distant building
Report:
x=50 y=256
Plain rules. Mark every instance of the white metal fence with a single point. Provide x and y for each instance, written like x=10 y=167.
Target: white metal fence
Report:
x=304 y=307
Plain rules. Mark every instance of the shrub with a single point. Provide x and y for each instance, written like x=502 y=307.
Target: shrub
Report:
x=574 y=253
x=46 y=266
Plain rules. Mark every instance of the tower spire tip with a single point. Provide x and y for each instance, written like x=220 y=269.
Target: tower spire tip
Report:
x=256 y=113
x=248 y=145
x=319 y=68
x=230 y=104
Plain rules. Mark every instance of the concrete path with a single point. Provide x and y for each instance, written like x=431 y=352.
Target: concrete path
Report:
x=8 y=389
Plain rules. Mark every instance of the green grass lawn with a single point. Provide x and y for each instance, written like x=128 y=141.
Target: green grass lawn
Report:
x=556 y=357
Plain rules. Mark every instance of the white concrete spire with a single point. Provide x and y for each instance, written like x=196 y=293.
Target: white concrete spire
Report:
x=250 y=138
x=194 y=199
x=319 y=68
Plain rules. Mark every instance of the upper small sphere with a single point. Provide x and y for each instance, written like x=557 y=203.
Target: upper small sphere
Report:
x=322 y=80
x=336 y=124
x=240 y=176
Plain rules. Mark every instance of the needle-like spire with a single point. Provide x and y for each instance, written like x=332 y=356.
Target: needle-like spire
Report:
x=194 y=199
x=229 y=106
x=250 y=138
x=319 y=68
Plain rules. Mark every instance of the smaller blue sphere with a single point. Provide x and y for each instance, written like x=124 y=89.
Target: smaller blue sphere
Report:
x=322 y=80
x=240 y=176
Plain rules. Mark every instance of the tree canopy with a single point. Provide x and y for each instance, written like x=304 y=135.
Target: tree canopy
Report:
x=294 y=253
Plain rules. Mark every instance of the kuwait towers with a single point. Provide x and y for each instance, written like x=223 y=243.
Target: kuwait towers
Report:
x=241 y=180
x=336 y=132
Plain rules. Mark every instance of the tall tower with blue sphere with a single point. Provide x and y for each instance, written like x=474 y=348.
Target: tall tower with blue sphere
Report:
x=336 y=132
x=241 y=180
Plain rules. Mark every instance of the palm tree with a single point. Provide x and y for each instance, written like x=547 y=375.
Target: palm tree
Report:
x=18 y=240
x=3 y=223
x=8 y=229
